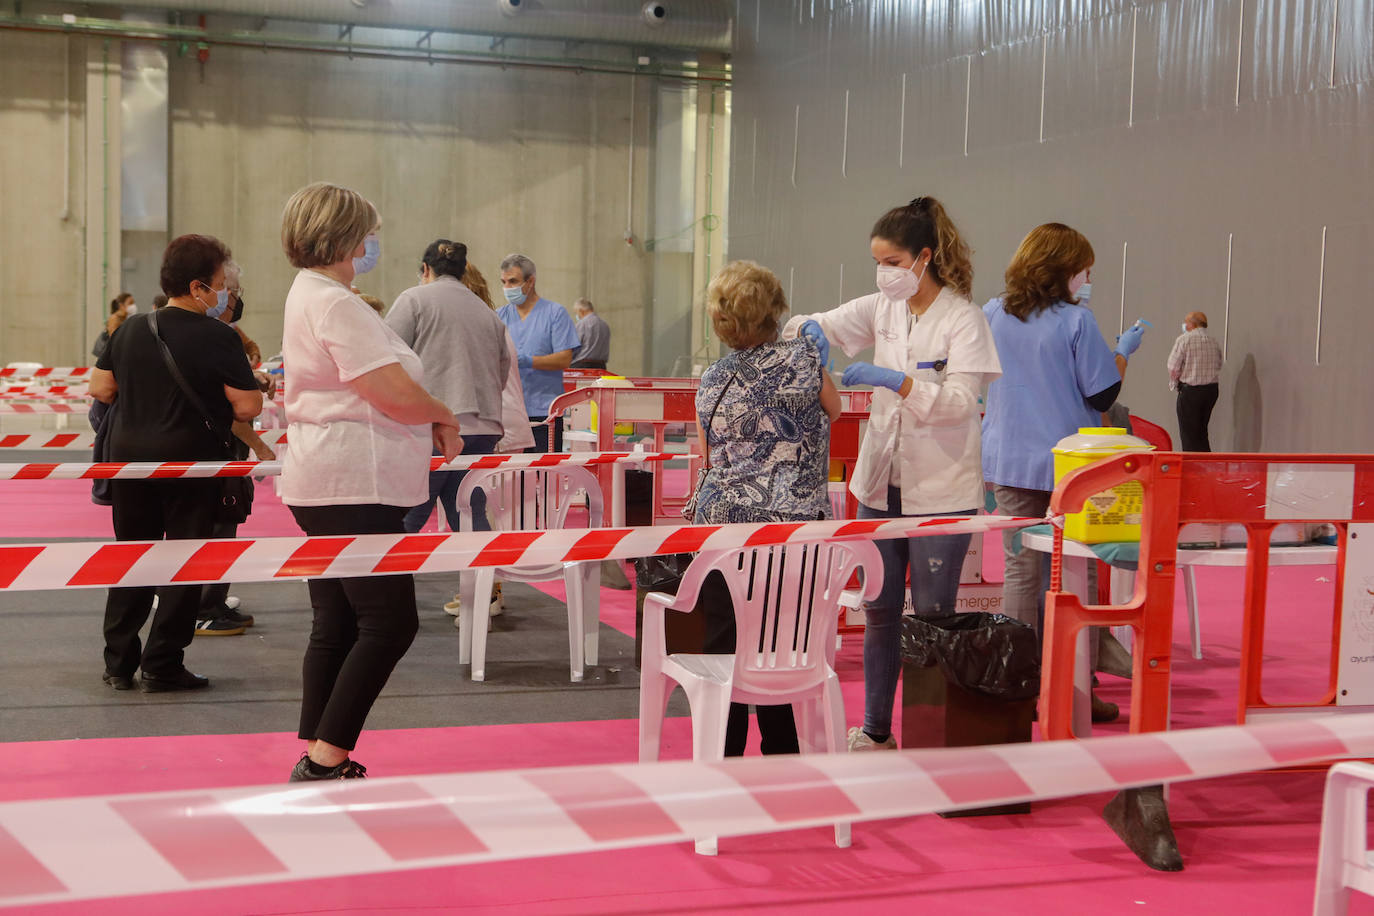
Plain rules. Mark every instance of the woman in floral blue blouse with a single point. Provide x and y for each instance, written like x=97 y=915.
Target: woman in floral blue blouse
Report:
x=763 y=420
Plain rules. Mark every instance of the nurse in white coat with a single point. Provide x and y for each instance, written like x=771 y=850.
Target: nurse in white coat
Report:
x=933 y=355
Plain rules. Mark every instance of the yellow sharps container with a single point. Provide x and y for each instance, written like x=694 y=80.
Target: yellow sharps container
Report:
x=1115 y=514
x=613 y=381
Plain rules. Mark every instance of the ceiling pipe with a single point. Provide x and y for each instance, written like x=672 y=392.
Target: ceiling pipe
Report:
x=409 y=51
x=703 y=25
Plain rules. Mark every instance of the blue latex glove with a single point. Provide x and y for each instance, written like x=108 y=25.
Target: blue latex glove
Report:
x=877 y=376
x=813 y=331
x=525 y=362
x=1129 y=341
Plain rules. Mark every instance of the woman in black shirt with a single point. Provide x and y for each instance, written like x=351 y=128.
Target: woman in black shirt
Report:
x=154 y=420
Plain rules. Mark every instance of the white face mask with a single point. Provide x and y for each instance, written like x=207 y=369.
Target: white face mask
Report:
x=131 y=308
x=900 y=283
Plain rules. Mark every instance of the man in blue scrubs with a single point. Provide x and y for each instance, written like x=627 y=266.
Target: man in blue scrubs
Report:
x=545 y=340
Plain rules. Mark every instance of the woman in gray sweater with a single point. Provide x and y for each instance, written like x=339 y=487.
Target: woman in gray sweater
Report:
x=462 y=345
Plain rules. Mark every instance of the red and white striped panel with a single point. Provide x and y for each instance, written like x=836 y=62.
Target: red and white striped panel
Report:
x=47 y=372
x=170 y=470
x=174 y=841
x=29 y=567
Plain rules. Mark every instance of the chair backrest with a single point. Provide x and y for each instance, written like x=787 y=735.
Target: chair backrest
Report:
x=1152 y=433
x=530 y=499
x=787 y=604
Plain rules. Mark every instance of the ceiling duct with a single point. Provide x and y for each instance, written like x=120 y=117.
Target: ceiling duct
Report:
x=703 y=25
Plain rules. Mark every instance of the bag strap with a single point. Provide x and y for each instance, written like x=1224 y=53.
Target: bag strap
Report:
x=712 y=419
x=180 y=379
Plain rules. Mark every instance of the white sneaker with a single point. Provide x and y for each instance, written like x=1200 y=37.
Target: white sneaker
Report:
x=455 y=606
x=859 y=741
x=232 y=602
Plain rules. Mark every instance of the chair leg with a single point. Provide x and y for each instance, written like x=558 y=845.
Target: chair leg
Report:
x=591 y=613
x=466 y=590
x=1194 y=622
x=654 y=690
x=572 y=584
x=710 y=713
x=481 y=621
x=1344 y=832
x=832 y=713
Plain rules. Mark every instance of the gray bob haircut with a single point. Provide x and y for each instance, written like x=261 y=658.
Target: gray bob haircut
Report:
x=518 y=260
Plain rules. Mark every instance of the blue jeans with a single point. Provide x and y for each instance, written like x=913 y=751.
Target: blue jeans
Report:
x=443 y=486
x=935 y=566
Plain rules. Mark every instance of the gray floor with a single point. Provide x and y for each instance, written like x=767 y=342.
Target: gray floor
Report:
x=50 y=667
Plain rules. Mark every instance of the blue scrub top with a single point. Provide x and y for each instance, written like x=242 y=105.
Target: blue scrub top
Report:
x=1050 y=363
x=547 y=329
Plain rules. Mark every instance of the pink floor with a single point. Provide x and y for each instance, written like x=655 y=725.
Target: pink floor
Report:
x=1249 y=841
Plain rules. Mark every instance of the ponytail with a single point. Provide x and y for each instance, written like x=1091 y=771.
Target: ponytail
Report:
x=923 y=223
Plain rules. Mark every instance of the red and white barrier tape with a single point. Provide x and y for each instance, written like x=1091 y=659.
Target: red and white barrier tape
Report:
x=45 y=391
x=44 y=407
x=171 y=470
x=77 y=441
x=29 y=567
x=47 y=372
x=121 y=845
x=47 y=440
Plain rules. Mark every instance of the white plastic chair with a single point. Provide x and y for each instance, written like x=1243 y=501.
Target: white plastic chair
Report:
x=787 y=604
x=1345 y=860
x=531 y=499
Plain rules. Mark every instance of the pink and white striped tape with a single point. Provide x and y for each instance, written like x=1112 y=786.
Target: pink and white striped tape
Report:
x=29 y=567
x=171 y=470
x=174 y=841
x=48 y=372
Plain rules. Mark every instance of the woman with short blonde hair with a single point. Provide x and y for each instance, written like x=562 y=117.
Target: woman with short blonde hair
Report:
x=763 y=421
x=361 y=428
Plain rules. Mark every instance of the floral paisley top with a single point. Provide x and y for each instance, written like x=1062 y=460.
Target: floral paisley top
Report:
x=769 y=438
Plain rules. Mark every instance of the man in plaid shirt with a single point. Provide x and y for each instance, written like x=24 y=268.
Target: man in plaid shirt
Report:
x=1194 y=369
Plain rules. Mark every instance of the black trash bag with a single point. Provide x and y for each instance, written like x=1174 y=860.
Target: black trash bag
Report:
x=661 y=573
x=988 y=654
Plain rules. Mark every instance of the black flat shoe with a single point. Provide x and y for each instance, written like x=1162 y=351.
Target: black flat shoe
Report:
x=118 y=681
x=349 y=769
x=181 y=680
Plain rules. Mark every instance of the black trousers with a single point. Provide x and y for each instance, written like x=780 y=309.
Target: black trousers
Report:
x=777 y=727
x=151 y=510
x=541 y=435
x=361 y=629
x=1194 y=408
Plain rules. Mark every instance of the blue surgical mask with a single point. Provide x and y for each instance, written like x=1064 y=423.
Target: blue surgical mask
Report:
x=514 y=295
x=221 y=302
x=1085 y=294
x=372 y=250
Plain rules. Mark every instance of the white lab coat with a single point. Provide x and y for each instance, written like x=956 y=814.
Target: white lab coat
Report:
x=935 y=431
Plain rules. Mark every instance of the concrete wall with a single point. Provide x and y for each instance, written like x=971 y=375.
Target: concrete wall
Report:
x=1174 y=130
x=504 y=159
x=42 y=272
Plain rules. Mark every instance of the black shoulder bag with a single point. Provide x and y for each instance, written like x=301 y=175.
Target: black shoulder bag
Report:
x=235 y=492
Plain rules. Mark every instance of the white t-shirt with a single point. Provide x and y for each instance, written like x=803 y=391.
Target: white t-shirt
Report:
x=344 y=451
